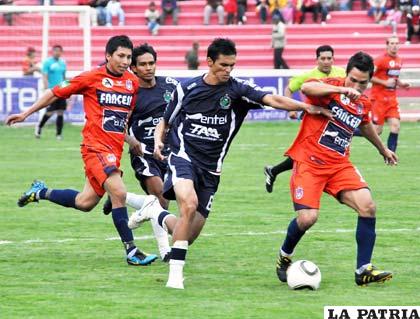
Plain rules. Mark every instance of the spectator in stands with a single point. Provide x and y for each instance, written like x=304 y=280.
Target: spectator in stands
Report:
x=350 y=5
x=169 y=7
x=310 y=6
x=29 y=64
x=231 y=8
x=43 y=2
x=114 y=9
x=377 y=9
x=262 y=10
x=288 y=11
x=8 y=17
x=152 y=16
x=413 y=24
x=242 y=6
x=100 y=6
x=405 y=7
x=275 y=8
x=191 y=57
x=93 y=12
x=279 y=42
x=393 y=17
x=323 y=8
x=211 y=7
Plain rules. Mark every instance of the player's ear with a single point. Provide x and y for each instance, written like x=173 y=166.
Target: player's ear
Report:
x=209 y=61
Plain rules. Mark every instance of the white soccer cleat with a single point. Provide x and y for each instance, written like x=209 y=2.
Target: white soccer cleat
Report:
x=143 y=214
x=176 y=284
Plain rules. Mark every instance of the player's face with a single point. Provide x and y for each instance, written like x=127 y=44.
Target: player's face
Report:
x=393 y=46
x=57 y=53
x=222 y=67
x=325 y=61
x=145 y=67
x=357 y=80
x=119 y=61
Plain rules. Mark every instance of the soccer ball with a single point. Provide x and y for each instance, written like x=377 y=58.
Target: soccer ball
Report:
x=303 y=274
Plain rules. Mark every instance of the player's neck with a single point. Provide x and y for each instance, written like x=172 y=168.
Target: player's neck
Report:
x=211 y=79
x=114 y=74
x=147 y=84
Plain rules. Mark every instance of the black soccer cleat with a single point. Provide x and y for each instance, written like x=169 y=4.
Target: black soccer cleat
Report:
x=167 y=257
x=269 y=178
x=283 y=263
x=30 y=195
x=107 y=208
x=372 y=274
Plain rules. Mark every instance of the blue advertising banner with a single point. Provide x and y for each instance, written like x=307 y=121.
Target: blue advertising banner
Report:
x=19 y=93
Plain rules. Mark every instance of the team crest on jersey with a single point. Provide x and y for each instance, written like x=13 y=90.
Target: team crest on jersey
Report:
x=225 y=102
x=167 y=96
x=359 y=108
x=392 y=63
x=107 y=82
x=344 y=99
x=111 y=158
x=298 y=192
x=129 y=85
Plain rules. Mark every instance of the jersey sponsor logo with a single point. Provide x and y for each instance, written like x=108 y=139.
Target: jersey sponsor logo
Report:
x=214 y=120
x=107 y=82
x=299 y=192
x=204 y=132
x=394 y=72
x=335 y=138
x=149 y=126
x=344 y=99
x=129 y=85
x=64 y=84
x=114 y=99
x=114 y=121
x=191 y=86
x=225 y=102
x=170 y=80
x=167 y=96
x=345 y=117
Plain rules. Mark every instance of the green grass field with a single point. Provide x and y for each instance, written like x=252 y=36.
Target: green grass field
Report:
x=61 y=263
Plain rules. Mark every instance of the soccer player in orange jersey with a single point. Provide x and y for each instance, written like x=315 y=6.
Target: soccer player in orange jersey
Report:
x=385 y=82
x=321 y=163
x=108 y=97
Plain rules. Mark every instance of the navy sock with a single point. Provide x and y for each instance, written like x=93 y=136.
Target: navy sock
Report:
x=120 y=218
x=294 y=234
x=63 y=197
x=286 y=165
x=178 y=253
x=393 y=141
x=357 y=132
x=59 y=124
x=44 y=120
x=365 y=238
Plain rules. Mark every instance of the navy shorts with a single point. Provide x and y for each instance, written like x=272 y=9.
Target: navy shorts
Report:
x=205 y=183
x=59 y=105
x=147 y=166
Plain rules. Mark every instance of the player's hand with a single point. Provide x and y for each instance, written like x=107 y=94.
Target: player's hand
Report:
x=135 y=146
x=293 y=115
x=404 y=85
x=351 y=93
x=157 y=152
x=391 y=83
x=390 y=157
x=317 y=110
x=15 y=118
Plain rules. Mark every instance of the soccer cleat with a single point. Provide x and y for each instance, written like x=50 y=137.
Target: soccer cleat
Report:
x=37 y=131
x=30 y=195
x=167 y=257
x=107 y=208
x=269 y=178
x=176 y=284
x=145 y=213
x=140 y=258
x=283 y=263
x=59 y=137
x=372 y=274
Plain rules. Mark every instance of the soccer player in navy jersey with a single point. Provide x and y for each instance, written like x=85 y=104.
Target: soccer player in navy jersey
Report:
x=153 y=96
x=201 y=120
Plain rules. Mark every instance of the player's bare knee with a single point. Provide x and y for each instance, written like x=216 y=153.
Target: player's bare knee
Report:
x=118 y=197
x=306 y=220
x=85 y=206
x=368 y=210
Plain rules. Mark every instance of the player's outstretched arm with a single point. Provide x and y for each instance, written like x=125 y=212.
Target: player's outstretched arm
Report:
x=285 y=103
x=369 y=132
x=160 y=133
x=313 y=88
x=46 y=99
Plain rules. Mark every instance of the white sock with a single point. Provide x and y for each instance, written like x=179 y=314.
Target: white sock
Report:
x=134 y=200
x=282 y=253
x=362 y=269
x=176 y=266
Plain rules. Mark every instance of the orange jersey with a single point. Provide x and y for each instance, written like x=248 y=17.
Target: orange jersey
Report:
x=321 y=141
x=107 y=102
x=386 y=67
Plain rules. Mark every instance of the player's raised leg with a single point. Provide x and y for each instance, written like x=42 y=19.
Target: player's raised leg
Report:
x=361 y=201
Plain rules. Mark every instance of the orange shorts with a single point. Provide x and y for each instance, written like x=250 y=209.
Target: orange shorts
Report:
x=98 y=166
x=384 y=108
x=308 y=182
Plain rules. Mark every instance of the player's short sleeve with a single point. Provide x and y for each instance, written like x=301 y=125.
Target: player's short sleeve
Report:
x=174 y=105
x=77 y=85
x=45 y=66
x=295 y=83
x=368 y=106
x=249 y=92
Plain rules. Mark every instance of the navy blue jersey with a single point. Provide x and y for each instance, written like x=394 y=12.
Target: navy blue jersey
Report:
x=150 y=105
x=204 y=119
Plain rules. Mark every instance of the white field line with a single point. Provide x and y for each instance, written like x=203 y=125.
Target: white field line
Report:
x=241 y=234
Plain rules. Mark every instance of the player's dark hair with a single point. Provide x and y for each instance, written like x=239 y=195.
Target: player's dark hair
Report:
x=143 y=49
x=221 y=46
x=118 y=41
x=57 y=46
x=324 y=48
x=361 y=61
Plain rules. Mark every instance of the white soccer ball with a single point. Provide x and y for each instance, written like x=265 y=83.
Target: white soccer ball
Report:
x=303 y=274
